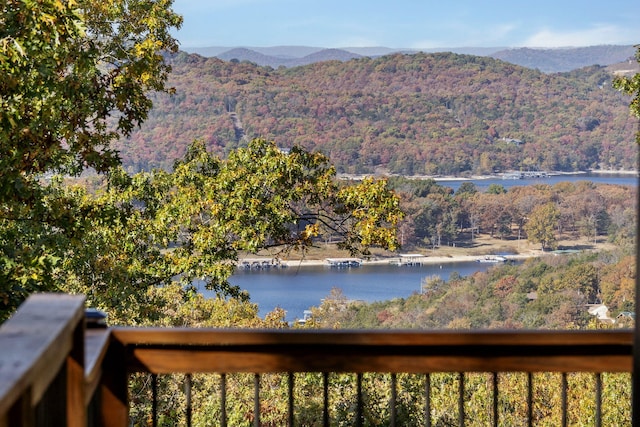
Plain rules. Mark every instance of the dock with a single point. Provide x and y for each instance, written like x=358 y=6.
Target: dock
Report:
x=408 y=260
x=261 y=264
x=525 y=174
x=343 y=262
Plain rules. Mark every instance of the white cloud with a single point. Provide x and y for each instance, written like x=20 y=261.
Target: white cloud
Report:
x=460 y=34
x=599 y=35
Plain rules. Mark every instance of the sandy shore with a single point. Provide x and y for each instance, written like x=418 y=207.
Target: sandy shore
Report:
x=430 y=260
x=611 y=172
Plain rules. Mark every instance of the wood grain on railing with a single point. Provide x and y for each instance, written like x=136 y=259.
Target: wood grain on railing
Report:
x=96 y=345
x=178 y=350
x=43 y=339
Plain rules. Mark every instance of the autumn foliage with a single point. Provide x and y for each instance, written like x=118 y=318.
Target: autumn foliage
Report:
x=409 y=114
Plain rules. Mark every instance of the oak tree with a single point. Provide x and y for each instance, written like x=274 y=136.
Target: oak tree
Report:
x=191 y=224
x=74 y=76
x=541 y=225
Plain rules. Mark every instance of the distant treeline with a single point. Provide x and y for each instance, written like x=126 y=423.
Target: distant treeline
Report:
x=436 y=216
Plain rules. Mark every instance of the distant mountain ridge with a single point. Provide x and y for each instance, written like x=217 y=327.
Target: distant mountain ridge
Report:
x=244 y=54
x=545 y=60
x=566 y=59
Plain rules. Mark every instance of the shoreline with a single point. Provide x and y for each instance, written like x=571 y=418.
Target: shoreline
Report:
x=438 y=178
x=425 y=260
x=617 y=172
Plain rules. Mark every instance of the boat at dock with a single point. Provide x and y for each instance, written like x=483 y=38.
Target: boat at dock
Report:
x=343 y=262
x=261 y=264
x=493 y=259
x=408 y=260
x=525 y=174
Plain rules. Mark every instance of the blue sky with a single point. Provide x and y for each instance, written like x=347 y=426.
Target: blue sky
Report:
x=408 y=23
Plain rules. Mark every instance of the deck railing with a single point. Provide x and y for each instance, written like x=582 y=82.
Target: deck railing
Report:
x=54 y=372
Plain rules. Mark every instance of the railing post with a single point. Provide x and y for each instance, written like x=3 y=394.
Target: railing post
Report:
x=461 y=414
x=187 y=393
x=325 y=399
x=223 y=400
x=20 y=414
x=394 y=400
x=291 y=400
x=427 y=400
x=360 y=401
x=114 y=388
x=529 y=399
x=154 y=400
x=496 y=396
x=76 y=409
x=635 y=371
x=256 y=400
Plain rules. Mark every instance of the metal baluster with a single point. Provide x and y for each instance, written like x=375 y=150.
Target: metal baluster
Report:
x=325 y=404
x=154 y=400
x=291 y=402
x=495 y=398
x=564 y=399
x=461 y=399
x=223 y=400
x=359 y=411
x=394 y=396
x=427 y=403
x=598 y=399
x=187 y=392
x=530 y=399
x=256 y=400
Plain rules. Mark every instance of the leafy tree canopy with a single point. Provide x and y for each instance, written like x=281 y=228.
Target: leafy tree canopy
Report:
x=160 y=228
x=631 y=86
x=541 y=227
x=74 y=76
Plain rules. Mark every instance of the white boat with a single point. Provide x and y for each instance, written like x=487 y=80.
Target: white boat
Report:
x=493 y=258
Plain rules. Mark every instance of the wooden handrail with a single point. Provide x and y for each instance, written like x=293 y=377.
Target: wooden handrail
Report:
x=47 y=341
x=42 y=340
x=179 y=350
x=96 y=346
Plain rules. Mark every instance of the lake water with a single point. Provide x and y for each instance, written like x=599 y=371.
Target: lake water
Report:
x=483 y=184
x=295 y=289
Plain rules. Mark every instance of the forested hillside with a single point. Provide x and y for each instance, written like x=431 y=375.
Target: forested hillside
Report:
x=551 y=292
x=409 y=114
x=566 y=59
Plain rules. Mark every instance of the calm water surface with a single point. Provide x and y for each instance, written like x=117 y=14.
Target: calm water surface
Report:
x=297 y=289
x=483 y=184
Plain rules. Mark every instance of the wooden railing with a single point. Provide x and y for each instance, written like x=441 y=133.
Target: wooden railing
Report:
x=49 y=362
x=42 y=360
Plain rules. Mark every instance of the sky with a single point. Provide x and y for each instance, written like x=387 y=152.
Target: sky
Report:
x=414 y=24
